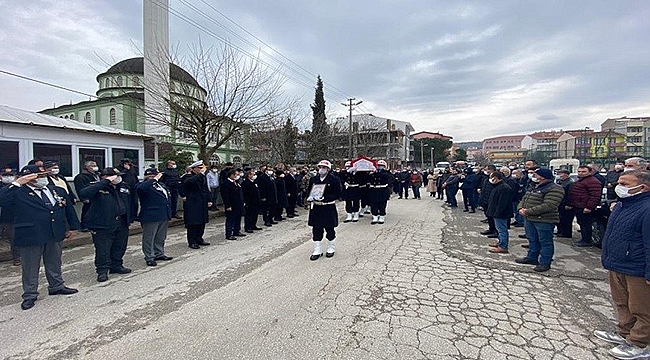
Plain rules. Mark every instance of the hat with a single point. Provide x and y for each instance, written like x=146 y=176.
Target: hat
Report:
x=196 y=164
x=382 y=163
x=50 y=163
x=151 y=171
x=563 y=171
x=325 y=163
x=348 y=163
x=110 y=171
x=545 y=173
x=126 y=161
x=32 y=169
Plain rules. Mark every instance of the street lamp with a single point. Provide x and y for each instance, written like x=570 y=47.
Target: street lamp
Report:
x=432 y=160
x=422 y=145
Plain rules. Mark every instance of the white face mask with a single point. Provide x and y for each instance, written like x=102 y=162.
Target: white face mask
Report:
x=95 y=169
x=117 y=180
x=237 y=177
x=269 y=173
x=531 y=177
x=215 y=171
x=41 y=182
x=534 y=179
x=7 y=179
x=380 y=167
x=322 y=171
x=492 y=181
x=624 y=192
x=173 y=167
x=628 y=169
x=313 y=173
x=55 y=171
x=253 y=178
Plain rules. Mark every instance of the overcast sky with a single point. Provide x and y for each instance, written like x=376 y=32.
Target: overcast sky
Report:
x=467 y=69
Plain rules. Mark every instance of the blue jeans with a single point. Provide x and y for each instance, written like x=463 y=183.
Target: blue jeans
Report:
x=540 y=238
x=518 y=217
x=502 y=229
x=416 y=191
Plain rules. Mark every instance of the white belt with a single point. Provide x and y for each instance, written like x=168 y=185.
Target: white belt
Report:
x=351 y=185
x=379 y=186
x=324 y=203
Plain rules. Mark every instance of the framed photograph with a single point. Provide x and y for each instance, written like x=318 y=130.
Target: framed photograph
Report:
x=317 y=191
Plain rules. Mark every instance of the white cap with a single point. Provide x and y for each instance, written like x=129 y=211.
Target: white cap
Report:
x=196 y=164
x=381 y=163
x=325 y=163
x=348 y=163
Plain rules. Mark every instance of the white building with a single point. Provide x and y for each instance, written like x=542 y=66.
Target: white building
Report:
x=25 y=135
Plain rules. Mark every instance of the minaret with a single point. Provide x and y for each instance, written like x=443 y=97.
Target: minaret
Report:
x=156 y=66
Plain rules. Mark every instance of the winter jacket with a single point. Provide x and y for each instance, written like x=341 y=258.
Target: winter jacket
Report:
x=500 y=202
x=585 y=193
x=416 y=180
x=541 y=202
x=626 y=245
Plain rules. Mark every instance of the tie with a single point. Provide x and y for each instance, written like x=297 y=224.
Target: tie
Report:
x=45 y=198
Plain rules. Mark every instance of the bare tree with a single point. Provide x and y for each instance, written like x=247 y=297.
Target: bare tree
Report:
x=236 y=93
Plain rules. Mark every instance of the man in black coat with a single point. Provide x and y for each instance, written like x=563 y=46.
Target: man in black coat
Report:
x=251 y=202
x=323 y=216
x=155 y=213
x=56 y=179
x=379 y=192
x=485 y=191
x=172 y=179
x=109 y=215
x=44 y=216
x=233 y=204
x=195 y=207
x=565 y=225
x=500 y=209
x=268 y=194
x=291 y=184
x=89 y=175
x=281 y=190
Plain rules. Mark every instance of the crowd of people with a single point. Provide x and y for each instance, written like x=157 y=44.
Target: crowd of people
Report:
x=38 y=214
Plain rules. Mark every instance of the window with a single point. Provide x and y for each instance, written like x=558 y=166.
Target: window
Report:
x=96 y=155
x=237 y=161
x=136 y=81
x=634 y=149
x=9 y=154
x=87 y=117
x=119 y=154
x=635 y=139
x=120 y=81
x=61 y=153
x=111 y=115
x=215 y=159
x=634 y=129
x=65 y=117
x=71 y=116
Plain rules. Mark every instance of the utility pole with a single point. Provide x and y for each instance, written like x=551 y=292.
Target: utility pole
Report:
x=350 y=105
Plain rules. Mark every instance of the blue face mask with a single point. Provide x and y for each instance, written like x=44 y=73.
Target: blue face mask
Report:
x=322 y=171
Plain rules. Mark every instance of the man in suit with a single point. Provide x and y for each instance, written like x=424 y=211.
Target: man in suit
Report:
x=42 y=213
x=233 y=204
x=155 y=212
x=251 y=202
x=109 y=215
x=89 y=175
x=56 y=179
x=268 y=194
x=197 y=201
x=172 y=179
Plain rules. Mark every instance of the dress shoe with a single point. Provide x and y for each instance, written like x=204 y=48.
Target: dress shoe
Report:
x=194 y=246
x=518 y=225
x=290 y=216
x=493 y=236
x=274 y=222
x=315 y=257
x=268 y=224
x=163 y=258
x=487 y=232
x=526 y=260
x=248 y=231
x=484 y=221
x=542 y=267
x=522 y=236
x=240 y=234
x=257 y=228
x=472 y=211
x=465 y=210
x=295 y=215
x=27 y=304
x=16 y=262
x=203 y=243
x=151 y=263
x=64 y=291
x=494 y=244
x=120 y=270
x=525 y=246
x=498 y=250
x=231 y=238
x=102 y=277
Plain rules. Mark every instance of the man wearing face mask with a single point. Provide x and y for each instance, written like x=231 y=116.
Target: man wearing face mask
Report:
x=291 y=184
x=109 y=215
x=89 y=175
x=251 y=194
x=612 y=180
x=212 y=177
x=197 y=202
x=154 y=216
x=626 y=254
x=565 y=225
x=56 y=179
x=172 y=179
x=323 y=216
x=7 y=217
x=380 y=190
x=233 y=204
x=268 y=194
x=42 y=215
x=583 y=199
x=500 y=209
x=539 y=206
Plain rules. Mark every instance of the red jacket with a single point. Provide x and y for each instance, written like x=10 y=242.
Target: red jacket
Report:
x=585 y=193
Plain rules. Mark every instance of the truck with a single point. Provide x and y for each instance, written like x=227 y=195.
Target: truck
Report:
x=565 y=164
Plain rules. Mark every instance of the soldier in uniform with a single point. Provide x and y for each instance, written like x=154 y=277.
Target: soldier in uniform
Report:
x=351 y=193
x=379 y=192
x=362 y=178
x=42 y=214
x=197 y=201
x=323 y=216
x=89 y=175
x=251 y=202
x=155 y=213
x=110 y=212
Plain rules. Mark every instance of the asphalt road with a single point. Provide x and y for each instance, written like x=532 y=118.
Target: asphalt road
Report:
x=420 y=286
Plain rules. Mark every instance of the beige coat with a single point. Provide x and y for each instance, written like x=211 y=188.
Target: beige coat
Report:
x=431 y=185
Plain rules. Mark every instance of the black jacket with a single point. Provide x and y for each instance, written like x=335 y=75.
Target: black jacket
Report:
x=281 y=189
x=251 y=196
x=325 y=216
x=197 y=196
x=268 y=192
x=106 y=203
x=231 y=194
x=155 y=201
x=500 y=202
x=486 y=190
x=171 y=178
x=84 y=179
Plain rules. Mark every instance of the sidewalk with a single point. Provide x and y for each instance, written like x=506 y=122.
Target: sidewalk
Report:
x=84 y=238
